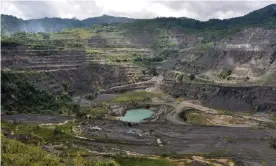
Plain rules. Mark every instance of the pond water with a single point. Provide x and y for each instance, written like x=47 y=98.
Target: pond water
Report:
x=136 y=115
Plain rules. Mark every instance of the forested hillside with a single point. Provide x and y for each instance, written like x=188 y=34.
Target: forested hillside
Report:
x=264 y=17
x=11 y=24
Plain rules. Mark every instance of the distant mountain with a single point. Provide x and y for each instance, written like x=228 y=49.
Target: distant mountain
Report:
x=265 y=17
x=106 y=19
x=11 y=24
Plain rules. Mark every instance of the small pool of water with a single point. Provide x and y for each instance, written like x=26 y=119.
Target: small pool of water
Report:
x=136 y=115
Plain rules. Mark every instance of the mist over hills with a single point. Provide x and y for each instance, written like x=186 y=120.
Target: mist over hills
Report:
x=265 y=17
x=11 y=24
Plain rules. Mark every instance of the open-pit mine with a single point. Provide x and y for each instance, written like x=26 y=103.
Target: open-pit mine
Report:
x=150 y=92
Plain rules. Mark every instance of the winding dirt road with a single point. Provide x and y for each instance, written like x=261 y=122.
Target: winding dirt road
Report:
x=173 y=116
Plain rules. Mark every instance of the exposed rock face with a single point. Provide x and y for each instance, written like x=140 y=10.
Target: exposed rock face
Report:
x=248 y=98
x=251 y=52
x=252 y=39
x=249 y=55
x=86 y=79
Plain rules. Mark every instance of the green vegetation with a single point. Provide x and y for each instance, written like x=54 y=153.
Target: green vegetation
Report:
x=225 y=74
x=60 y=41
x=264 y=163
x=95 y=51
x=146 y=61
x=225 y=112
x=80 y=33
x=91 y=112
x=194 y=117
x=91 y=96
x=28 y=154
x=76 y=35
x=192 y=77
x=264 y=17
x=12 y=24
x=269 y=125
x=135 y=97
x=40 y=134
x=168 y=53
x=231 y=113
x=15 y=153
x=120 y=58
x=19 y=95
x=273 y=143
x=179 y=77
x=206 y=46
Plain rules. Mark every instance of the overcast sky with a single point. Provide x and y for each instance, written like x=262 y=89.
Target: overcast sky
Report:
x=201 y=10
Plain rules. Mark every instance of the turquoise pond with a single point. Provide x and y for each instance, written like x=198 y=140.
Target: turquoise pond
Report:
x=136 y=115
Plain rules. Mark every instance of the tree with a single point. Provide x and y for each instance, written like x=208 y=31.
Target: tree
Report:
x=57 y=131
x=179 y=78
x=192 y=77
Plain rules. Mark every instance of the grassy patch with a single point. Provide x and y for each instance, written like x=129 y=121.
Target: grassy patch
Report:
x=193 y=116
x=225 y=112
x=99 y=51
x=119 y=58
x=269 y=125
x=135 y=97
x=144 y=61
x=15 y=153
x=97 y=112
x=206 y=46
x=39 y=134
x=217 y=153
x=196 y=118
x=231 y=113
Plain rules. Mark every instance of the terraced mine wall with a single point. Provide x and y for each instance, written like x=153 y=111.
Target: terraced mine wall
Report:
x=249 y=54
x=74 y=71
x=87 y=79
x=130 y=87
x=234 y=98
x=254 y=63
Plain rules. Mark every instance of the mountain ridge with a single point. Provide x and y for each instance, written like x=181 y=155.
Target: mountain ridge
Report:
x=265 y=16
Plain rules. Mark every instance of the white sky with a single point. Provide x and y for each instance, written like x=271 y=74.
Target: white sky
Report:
x=201 y=10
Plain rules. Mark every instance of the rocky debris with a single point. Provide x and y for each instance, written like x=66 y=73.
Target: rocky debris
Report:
x=198 y=163
x=235 y=98
x=117 y=110
x=186 y=139
x=96 y=128
x=159 y=142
